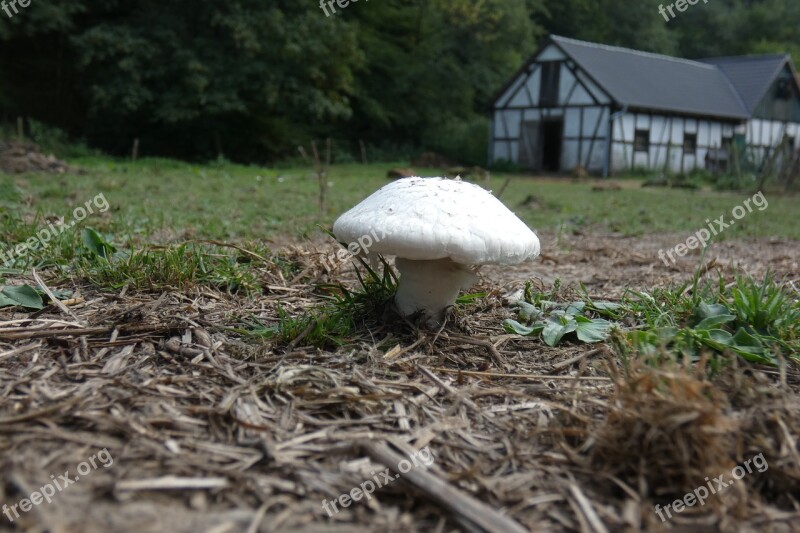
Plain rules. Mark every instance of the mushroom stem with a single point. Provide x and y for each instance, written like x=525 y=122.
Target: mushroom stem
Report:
x=430 y=287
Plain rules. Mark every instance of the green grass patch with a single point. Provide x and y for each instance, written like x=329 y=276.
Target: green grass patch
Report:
x=758 y=321
x=230 y=269
x=158 y=201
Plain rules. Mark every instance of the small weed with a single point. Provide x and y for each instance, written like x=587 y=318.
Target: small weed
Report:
x=754 y=320
x=541 y=316
x=766 y=308
x=343 y=314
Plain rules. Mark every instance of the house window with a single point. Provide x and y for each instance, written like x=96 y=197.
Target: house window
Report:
x=641 y=140
x=790 y=141
x=548 y=89
x=689 y=143
x=783 y=89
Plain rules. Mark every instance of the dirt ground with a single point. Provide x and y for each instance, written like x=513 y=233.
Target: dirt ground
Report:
x=165 y=419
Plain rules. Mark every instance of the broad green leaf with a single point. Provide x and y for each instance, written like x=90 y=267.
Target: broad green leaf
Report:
x=595 y=330
x=745 y=341
x=23 y=296
x=713 y=321
x=721 y=336
x=717 y=339
x=575 y=308
x=512 y=326
x=95 y=243
x=555 y=330
x=705 y=310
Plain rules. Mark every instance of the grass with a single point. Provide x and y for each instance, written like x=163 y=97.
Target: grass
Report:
x=758 y=321
x=343 y=313
x=171 y=268
x=157 y=201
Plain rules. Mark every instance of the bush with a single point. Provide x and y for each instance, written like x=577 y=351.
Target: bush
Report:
x=505 y=165
x=702 y=175
x=463 y=141
x=640 y=172
x=341 y=153
x=56 y=141
x=731 y=182
x=390 y=152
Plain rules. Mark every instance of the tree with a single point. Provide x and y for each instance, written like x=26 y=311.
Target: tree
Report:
x=189 y=78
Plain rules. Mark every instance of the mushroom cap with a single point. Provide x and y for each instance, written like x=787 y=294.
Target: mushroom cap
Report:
x=436 y=218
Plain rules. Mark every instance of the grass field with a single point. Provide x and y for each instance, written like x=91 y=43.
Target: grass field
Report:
x=158 y=201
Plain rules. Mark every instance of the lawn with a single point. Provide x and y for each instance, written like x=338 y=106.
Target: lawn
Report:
x=159 y=201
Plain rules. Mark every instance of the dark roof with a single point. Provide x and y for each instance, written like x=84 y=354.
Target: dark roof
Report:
x=652 y=81
x=750 y=75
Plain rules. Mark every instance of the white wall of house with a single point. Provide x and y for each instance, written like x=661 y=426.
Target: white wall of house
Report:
x=666 y=148
x=582 y=105
x=763 y=135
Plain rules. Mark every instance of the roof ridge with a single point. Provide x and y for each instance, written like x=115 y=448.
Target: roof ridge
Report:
x=747 y=57
x=634 y=52
x=736 y=93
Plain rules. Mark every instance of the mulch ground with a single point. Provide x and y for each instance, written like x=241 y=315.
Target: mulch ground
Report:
x=192 y=427
x=18 y=157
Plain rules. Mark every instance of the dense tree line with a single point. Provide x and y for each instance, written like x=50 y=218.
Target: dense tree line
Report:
x=252 y=79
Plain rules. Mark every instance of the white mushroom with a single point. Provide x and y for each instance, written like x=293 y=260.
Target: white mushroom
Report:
x=439 y=230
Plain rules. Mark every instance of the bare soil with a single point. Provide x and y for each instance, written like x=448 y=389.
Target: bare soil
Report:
x=211 y=431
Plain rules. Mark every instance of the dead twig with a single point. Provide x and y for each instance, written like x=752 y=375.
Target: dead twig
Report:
x=172 y=483
x=571 y=360
x=467 y=508
x=532 y=377
x=496 y=356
